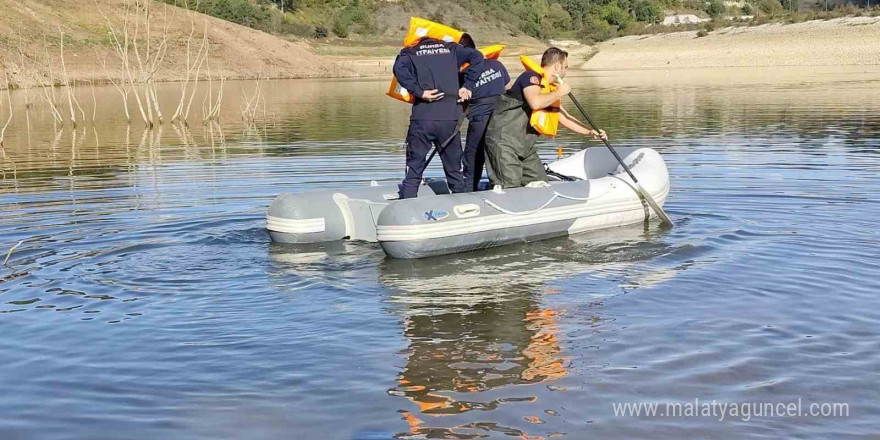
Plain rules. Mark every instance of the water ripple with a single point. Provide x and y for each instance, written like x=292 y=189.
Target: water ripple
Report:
x=147 y=301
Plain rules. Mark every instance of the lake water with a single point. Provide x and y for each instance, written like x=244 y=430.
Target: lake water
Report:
x=148 y=302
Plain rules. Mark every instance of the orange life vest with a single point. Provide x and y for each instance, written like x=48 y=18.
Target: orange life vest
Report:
x=546 y=120
x=420 y=28
x=489 y=52
x=397 y=91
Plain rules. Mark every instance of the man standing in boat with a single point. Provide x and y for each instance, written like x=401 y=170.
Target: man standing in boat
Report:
x=513 y=130
x=428 y=70
x=487 y=90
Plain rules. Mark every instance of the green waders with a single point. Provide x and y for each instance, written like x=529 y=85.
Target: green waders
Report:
x=510 y=145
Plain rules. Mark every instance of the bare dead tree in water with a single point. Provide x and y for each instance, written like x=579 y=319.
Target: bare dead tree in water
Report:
x=48 y=91
x=150 y=62
x=121 y=48
x=76 y=101
x=210 y=104
x=9 y=103
x=7 y=66
x=149 y=53
x=25 y=74
x=73 y=154
x=216 y=139
x=94 y=102
x=196 y=82
x=193 y=68
x=252 y=103
x=124 y=89
x=67 y=86
x=198 y=70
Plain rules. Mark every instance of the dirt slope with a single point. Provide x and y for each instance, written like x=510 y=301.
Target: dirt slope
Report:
x=236 y=51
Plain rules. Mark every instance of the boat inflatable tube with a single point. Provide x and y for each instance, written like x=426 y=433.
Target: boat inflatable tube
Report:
x=437 y=223
x=423 y=227
x=323 y=216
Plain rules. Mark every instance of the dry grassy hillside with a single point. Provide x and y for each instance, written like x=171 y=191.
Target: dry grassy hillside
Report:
x=373 y=55
x=33 y=28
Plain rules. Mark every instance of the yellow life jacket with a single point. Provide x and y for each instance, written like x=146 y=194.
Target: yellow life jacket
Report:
x=546 y=120
x=420 y=28
x=397 y=91
x=489 y=52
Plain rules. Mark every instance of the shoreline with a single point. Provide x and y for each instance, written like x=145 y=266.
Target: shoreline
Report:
x=847 y=41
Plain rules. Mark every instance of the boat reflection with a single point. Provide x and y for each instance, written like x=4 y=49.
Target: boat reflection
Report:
x=481 y=331
x=479 y=327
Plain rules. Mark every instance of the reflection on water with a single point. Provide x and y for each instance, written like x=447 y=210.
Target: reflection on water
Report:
x=476 y=324
x=468 y=341
x=146 y=300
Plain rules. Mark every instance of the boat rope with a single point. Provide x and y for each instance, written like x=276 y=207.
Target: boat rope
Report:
x=556 y=195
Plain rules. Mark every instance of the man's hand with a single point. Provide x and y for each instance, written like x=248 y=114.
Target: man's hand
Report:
x=464 y=95
x=563 y=89
x=599 y=134
x=432 y=95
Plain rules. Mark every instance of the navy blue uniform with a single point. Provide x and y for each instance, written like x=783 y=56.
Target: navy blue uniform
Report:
x=433 y=64
x=492 y=84
x=525 y=79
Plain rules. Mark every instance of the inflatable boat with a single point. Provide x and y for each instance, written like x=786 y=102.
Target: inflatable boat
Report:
x=588 y=190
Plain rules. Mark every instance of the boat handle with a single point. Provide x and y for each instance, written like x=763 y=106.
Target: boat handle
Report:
x=466 y=211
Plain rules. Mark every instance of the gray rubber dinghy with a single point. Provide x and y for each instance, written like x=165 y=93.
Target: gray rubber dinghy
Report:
x=436 y=223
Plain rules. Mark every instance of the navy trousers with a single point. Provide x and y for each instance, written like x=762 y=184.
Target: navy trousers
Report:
x=421 y=135
x=475 y=150
x=479 y=112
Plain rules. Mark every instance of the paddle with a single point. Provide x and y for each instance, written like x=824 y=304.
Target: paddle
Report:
x=644 y=194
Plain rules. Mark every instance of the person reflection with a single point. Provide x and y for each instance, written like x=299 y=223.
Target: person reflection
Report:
x=470 y=335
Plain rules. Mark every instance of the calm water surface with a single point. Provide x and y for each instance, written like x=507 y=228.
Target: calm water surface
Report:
x=147 y=301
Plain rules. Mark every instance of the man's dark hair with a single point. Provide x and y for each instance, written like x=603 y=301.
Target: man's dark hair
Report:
x=553 y=55
x=467 y=41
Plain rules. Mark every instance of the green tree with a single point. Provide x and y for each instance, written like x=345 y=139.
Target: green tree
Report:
x=770 y=6
x=340 y=27
x=715 y=8
x=614 y=15
x=647 y=11
x=596 y=30
x=557 y=18
x=285 y=5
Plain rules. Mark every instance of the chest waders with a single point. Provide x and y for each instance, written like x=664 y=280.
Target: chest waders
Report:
x=511 y=145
